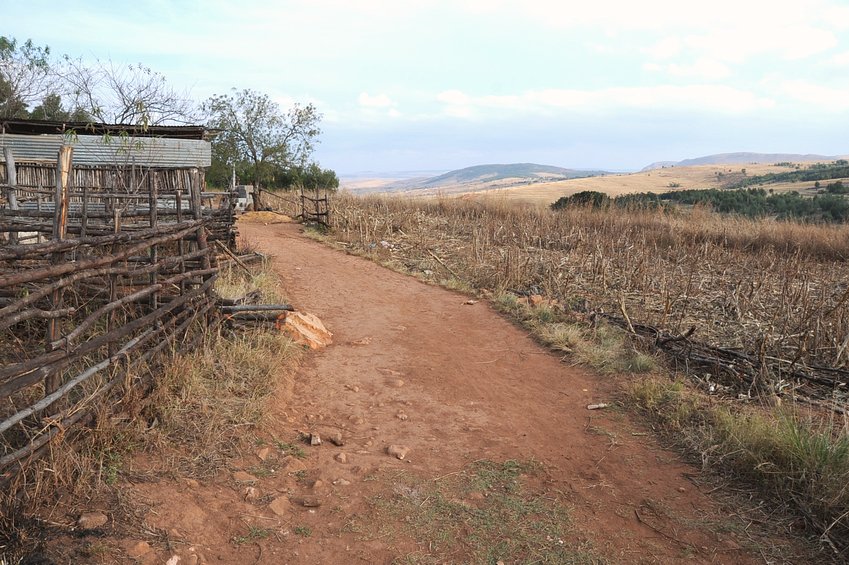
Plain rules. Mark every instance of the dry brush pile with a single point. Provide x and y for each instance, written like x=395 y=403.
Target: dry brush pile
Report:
x=769 y=301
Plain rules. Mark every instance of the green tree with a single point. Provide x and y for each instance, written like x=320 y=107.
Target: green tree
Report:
x=256 y=136
x=25 y=76
x=591 y=198
x=51 y=108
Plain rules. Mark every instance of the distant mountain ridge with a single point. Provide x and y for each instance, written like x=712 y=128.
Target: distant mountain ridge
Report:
x=741 y=158
x=495 y=172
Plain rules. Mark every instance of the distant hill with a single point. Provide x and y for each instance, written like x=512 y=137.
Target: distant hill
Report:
x=742 y=159
x=489 y=173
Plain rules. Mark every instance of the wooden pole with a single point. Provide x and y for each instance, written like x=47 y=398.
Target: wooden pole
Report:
x=154 y=258
x=12 y=181
x=60 y=226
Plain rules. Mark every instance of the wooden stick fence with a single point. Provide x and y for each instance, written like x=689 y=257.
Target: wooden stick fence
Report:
x=101 y=269
x=311 y=209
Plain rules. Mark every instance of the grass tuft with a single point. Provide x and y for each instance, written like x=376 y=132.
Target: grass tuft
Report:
x=796 y=457
x=485 y=514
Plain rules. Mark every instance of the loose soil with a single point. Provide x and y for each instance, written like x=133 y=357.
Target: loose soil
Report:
x=415 y=365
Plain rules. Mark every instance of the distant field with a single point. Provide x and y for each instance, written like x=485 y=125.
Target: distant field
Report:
x=658 y=181
x=544 y=193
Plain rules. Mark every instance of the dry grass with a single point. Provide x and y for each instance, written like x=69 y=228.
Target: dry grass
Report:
x=800 y=458
x=207 y=402
x=202 y=408
x=760 y=286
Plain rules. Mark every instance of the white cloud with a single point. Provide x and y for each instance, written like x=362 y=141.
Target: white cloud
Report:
x=453 y=98
x=701 y=98
x=816 y=96
x=702 y=69
x=665 y=48
x=838 y=60
x=377 y=101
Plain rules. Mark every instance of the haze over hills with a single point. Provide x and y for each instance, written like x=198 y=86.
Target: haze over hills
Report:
x=477 y=177
x=741 y=158
x=489 y=173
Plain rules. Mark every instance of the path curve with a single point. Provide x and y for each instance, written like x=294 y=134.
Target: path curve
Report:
x=472 y=386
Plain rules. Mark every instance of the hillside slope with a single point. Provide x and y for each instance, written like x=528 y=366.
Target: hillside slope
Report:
x=494 y=172
x=743 y=158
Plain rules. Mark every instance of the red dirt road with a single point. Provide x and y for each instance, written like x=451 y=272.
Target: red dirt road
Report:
x=472 y=386
x=475 y=387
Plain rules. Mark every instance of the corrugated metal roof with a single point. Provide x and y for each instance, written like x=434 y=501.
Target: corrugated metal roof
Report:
x=105 y=150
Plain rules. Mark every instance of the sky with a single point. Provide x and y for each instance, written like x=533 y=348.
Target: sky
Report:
x=415 y=85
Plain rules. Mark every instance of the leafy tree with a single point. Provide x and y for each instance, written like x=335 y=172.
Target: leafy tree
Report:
x=51 y=108
x=25 y=76
x=310 y=177
x=837 y=188
x=257 y=137
x=583 y=198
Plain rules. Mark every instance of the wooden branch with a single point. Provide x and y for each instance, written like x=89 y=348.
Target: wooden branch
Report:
x=59 y=270
x=22 y=251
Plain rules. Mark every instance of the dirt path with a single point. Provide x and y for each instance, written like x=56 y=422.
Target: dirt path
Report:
x=412 y=364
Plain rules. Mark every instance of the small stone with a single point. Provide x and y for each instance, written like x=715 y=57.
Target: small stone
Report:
x=310 y=502
x=191 y=483
x=92 y=520
x=337 y=439
x=280 y=506
x=342 y=482
x=173 y=560
x=263 y=453
x=317 y=484
x=315 y=439
x=682 y=489
x=356 y=419
x=398 y=451
x=397 y=383
x=192 y=559
x=293 y=464
x=402 y=416
x=138 y=549
x=341 y=458
x=244 y=477
x=251 y=494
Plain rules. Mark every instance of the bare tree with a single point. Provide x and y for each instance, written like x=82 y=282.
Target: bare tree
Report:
x=131 y=94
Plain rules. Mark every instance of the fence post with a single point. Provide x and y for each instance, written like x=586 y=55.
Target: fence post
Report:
x=153 y=198
x=12 y=181
x=60 y=227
